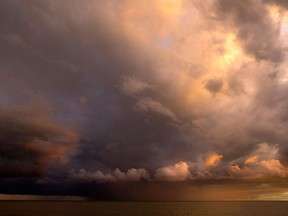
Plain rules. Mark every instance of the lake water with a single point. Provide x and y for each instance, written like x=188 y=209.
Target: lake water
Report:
x=87 y=208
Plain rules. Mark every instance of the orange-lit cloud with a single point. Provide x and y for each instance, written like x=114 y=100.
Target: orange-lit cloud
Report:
x=137 y=18
x=258 y=170
x=178 y=172
x=251 y=159
x=212 y=159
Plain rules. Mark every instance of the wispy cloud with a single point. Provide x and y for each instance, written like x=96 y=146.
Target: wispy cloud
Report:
x=150 y=105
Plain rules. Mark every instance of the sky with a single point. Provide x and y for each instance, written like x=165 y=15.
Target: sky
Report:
x=144 y=100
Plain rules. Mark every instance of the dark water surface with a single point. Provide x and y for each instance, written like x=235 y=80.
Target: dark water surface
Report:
x=85 y=208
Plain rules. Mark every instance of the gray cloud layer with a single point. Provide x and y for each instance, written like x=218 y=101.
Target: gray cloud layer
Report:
x=132 y=102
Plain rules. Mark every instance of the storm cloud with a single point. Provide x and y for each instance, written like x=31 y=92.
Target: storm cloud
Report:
x=31 y=140
x=162 y=91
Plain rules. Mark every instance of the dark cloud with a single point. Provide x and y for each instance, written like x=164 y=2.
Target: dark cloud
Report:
x=76 y=60
x=214 y=85
x=31 y=139
x=98 y=176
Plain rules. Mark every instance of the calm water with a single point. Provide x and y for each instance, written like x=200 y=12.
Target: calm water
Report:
x=74 y=208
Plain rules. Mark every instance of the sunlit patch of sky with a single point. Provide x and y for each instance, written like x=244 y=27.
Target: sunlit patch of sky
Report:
x=282 y=196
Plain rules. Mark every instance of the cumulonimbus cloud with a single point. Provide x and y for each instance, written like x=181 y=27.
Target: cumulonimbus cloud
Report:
x=91 y=73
